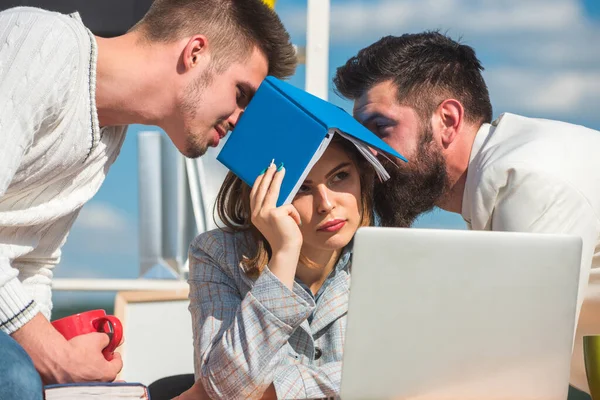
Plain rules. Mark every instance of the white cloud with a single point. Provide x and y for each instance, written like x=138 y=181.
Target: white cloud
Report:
x=79 y=270
x=515 y=16
x=558 y=51
x=540 y=56
x=102 y=230
x=352 y=20
x=102 y=216
x=102 y=243
x=555 y=92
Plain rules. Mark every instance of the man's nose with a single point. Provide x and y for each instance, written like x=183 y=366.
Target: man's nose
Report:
x=234 y=117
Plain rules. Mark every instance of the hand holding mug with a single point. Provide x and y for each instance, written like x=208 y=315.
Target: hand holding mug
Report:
x=89 y=322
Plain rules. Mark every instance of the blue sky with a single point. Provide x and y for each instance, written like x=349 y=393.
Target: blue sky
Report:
x=541 y=59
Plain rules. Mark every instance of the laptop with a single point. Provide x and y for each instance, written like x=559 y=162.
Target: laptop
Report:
x=460 y=315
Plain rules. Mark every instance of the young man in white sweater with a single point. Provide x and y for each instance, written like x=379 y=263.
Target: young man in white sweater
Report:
x=66 y=98
x=424 y=94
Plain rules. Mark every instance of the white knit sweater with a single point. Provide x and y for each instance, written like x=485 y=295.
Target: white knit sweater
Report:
x=53 y=154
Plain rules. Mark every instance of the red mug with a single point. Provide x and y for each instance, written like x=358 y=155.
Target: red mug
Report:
x=92 y=321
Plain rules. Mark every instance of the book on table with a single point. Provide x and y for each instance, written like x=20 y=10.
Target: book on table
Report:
x=96 y=390
x=293 y=127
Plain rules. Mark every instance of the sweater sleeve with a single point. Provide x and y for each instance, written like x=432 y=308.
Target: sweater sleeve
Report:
x=38 y=50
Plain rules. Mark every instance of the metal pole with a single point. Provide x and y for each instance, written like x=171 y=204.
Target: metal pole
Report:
x=317 y=48
x=151 y=206
x=175 y=221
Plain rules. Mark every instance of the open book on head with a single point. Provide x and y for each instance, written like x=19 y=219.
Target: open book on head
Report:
x=293 y=127
x=96 y=390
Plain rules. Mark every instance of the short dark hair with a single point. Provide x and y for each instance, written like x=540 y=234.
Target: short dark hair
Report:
x=425 y=67
x=234 y=27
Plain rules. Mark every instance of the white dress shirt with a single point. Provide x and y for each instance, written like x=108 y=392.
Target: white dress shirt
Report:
x=536 y=175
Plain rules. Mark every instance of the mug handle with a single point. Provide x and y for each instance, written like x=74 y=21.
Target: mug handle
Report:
x=115 y=333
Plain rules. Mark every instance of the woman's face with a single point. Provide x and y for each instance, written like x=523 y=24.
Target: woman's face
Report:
x=329 y=202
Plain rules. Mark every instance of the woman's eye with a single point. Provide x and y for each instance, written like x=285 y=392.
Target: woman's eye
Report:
x=340 y=176
x=303 y=189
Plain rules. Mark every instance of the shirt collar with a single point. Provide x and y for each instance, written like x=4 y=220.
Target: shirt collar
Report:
x=484 y=132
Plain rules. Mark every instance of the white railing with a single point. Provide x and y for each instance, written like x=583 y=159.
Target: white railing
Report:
x=110 y=285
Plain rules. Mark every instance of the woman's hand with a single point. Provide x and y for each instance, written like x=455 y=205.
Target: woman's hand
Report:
x=279 y=225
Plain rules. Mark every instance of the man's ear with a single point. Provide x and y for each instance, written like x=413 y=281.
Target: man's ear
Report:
x=195 y=52
x=451 y=114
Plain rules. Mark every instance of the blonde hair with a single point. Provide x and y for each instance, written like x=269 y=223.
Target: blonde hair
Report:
x=233 y=208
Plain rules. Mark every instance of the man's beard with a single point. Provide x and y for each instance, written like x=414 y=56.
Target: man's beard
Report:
x=196 y=143
x=413 y=188
x=194 y=147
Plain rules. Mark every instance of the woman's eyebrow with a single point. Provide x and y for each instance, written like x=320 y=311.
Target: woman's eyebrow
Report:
x=333 y=171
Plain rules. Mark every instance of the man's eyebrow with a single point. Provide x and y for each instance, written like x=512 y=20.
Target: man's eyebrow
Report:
x=371 y=117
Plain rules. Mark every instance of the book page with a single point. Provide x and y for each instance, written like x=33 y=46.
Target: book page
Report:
x=366 y=152
x=313 y=161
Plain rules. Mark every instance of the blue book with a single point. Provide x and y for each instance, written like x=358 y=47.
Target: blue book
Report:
x=293 y=127
x=96 y=390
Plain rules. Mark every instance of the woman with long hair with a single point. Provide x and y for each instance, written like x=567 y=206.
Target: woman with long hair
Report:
x=269 y=292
